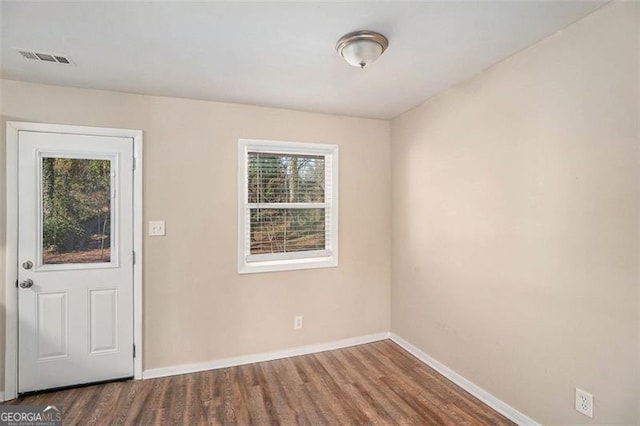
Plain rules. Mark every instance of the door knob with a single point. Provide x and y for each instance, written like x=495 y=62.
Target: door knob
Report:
x=28 y=283
x=27 y=264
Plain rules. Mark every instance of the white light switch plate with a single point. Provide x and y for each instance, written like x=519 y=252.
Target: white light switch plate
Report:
x=156 y=228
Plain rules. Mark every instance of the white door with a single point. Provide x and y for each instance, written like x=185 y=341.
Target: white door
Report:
x=75 y=248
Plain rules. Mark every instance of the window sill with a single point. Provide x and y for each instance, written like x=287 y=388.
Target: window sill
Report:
x=287 y=264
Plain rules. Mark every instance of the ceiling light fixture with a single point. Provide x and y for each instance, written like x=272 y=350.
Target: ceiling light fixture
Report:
x=360 y=48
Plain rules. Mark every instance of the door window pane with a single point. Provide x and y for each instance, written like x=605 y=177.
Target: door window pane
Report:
x=76 y=206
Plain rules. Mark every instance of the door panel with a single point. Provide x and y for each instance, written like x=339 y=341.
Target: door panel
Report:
x=103 y=307
x=75 y=245
x=53 y=319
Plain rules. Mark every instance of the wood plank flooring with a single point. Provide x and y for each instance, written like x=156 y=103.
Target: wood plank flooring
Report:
x=376 y=383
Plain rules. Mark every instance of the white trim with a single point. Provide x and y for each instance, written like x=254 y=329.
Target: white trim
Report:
x=138 y=236
x=265 y=356
x=475 y=390
x=288 y=205
x=11 y=241
x=311 y=255
x=276 y=147
x=11 y=265
x=287 y=261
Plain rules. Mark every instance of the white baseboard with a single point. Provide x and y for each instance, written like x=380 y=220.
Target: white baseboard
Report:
x=475 y=390
x=265 y=356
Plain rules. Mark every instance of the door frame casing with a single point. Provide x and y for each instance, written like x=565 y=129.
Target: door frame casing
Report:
x=11 y=240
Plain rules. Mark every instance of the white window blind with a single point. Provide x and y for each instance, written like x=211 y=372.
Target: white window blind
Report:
x=288 y=206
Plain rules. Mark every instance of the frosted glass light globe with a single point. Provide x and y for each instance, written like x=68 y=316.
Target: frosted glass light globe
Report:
x=360 y=48
x=361 y=53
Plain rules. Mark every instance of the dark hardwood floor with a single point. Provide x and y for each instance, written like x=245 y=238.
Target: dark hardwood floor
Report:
x=376 y=383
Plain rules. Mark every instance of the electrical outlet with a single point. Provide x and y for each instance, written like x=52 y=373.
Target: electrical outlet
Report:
x=584 y=403
x=297 y=322
x=156 y=228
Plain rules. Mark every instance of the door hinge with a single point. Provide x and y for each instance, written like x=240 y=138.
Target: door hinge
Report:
x=134 y=350
x=17 y=284
x=134 y=257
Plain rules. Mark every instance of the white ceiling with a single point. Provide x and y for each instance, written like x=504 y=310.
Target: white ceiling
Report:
x=274 y=54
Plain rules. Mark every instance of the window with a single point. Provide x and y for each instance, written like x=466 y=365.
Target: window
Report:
x=288 y=206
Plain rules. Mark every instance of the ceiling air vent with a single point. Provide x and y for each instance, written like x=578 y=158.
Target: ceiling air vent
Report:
x=28 y=55
x=44 y=57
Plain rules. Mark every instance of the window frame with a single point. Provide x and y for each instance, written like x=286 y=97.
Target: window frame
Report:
x=309 y=259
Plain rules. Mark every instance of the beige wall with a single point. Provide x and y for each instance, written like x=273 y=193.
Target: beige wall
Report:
x=197 y=308
x=515 y=220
